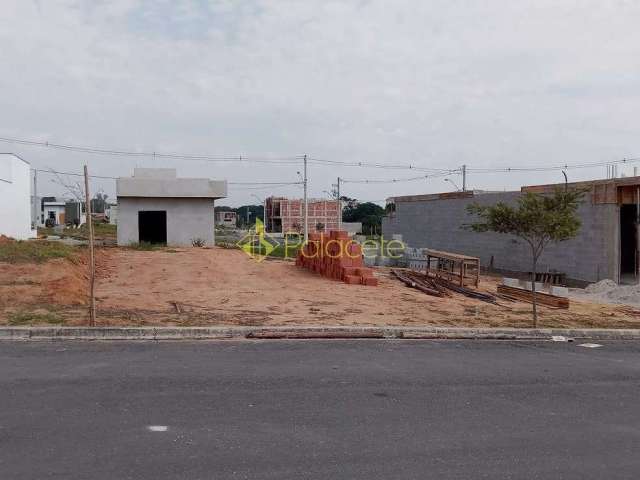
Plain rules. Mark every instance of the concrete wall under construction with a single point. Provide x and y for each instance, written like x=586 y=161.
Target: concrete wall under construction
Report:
x=438 y=223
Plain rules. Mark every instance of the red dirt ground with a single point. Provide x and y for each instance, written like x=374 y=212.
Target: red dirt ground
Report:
x=219 y=286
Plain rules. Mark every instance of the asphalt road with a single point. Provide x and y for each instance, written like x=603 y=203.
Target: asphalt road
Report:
x=319 y=410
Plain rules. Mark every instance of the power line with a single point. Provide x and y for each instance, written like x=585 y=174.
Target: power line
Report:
x=72 y=174
x=130 y=153
x=401 y=180
x=297 y=159
x=375 y=165
x=552 y=168
x=285 y=160
x=104 y=177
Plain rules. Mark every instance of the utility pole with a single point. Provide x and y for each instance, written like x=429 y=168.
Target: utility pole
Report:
x=92 y=259
x=339 y=206
x=36 y=207
x=464 y=178
x=306 y=205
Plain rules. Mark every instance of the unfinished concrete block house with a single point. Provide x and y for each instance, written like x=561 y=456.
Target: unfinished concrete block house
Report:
x=287 y=215
x=606 y=247
x=157 y=207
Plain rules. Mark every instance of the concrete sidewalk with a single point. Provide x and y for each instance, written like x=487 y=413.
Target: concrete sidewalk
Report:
x=306 y=332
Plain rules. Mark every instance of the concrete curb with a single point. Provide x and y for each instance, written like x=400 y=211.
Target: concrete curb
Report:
x=306 y=332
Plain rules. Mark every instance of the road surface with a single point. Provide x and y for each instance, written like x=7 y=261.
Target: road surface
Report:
x=363 y=409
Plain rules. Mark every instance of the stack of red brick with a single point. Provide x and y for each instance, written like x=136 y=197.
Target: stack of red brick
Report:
x=336 y=256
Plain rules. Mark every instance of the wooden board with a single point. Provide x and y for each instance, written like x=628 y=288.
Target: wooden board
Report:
x=527 y=295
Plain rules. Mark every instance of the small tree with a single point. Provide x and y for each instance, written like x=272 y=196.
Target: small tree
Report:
x=537 y=219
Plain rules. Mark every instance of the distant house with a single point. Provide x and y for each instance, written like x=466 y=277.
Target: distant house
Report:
x=16 y=203
x=155 y=206
x=112 y=213
x=285 y=215
x=53 y=211
x=75 y=212
x=226 y=219
x=353 y=228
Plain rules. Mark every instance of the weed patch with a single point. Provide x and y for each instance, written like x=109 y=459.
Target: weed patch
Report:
x=32 y=318
x=34 y=251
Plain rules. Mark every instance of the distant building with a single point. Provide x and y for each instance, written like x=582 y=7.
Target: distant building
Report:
x=16 y=202
x=157 y=207
x=112 y=213
x=54 y=211
x=75 y=212
x=352 y=228
x=287 y=215
x=226 y=219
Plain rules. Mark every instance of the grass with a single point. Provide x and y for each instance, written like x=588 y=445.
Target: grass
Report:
x=278 y=252
x=31 y=318
x=28 y=251
x=100 y=230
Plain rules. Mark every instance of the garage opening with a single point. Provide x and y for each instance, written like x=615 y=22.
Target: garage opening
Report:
x=152 y=227
x=628 y=243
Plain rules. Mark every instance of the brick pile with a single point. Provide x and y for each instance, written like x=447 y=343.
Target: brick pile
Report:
x=336 y=256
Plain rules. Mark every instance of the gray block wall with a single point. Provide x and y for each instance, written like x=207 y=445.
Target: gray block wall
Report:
x=437 y=224
x=187 y=219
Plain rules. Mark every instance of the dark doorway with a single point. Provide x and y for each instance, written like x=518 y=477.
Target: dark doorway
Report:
x=152 y=227
x=628 y=239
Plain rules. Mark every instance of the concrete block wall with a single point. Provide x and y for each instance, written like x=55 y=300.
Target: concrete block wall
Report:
x=187 y=219
x=437 y=224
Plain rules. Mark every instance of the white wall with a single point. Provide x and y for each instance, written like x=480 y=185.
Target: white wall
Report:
x=187 y=219
x=56 y=209
x=15 y=197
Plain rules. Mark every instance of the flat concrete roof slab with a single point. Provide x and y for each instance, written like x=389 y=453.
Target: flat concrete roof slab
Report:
x=162 y=183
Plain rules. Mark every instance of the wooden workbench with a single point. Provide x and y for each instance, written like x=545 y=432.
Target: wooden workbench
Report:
x=457 y=268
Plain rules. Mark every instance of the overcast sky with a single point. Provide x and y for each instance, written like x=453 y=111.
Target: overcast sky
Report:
x=433 y=83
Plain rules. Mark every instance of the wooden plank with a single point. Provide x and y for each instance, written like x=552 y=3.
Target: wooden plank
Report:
x=451 y=256
x=527 y=295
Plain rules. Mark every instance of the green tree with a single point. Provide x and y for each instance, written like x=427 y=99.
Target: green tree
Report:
x=368 y=213
x=537 y=219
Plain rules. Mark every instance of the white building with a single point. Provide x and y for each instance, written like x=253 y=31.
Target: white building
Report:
x=112 y=213
x=15 y=197
x=54 y=210
x=156 y=206
x=226 y=219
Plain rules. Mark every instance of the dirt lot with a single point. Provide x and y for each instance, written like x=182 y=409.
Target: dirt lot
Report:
x=218 y=286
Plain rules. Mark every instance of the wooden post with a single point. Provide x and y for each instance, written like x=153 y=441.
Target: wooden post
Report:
x=92 y=262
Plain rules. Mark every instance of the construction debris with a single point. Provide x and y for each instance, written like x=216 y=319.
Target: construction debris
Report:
x=423 y=285
x=467 y=292
x=336 y=256
x=527 y=296
x=438 y=286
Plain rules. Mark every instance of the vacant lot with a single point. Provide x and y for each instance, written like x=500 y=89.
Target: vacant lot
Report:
x=220 y=286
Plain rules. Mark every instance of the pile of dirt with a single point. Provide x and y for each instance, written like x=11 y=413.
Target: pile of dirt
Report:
x=5 y=240
x=59 y=281
x=603 y=286
x=608 y=291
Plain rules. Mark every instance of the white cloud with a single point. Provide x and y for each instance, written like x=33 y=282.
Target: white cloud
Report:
x=436 y=83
